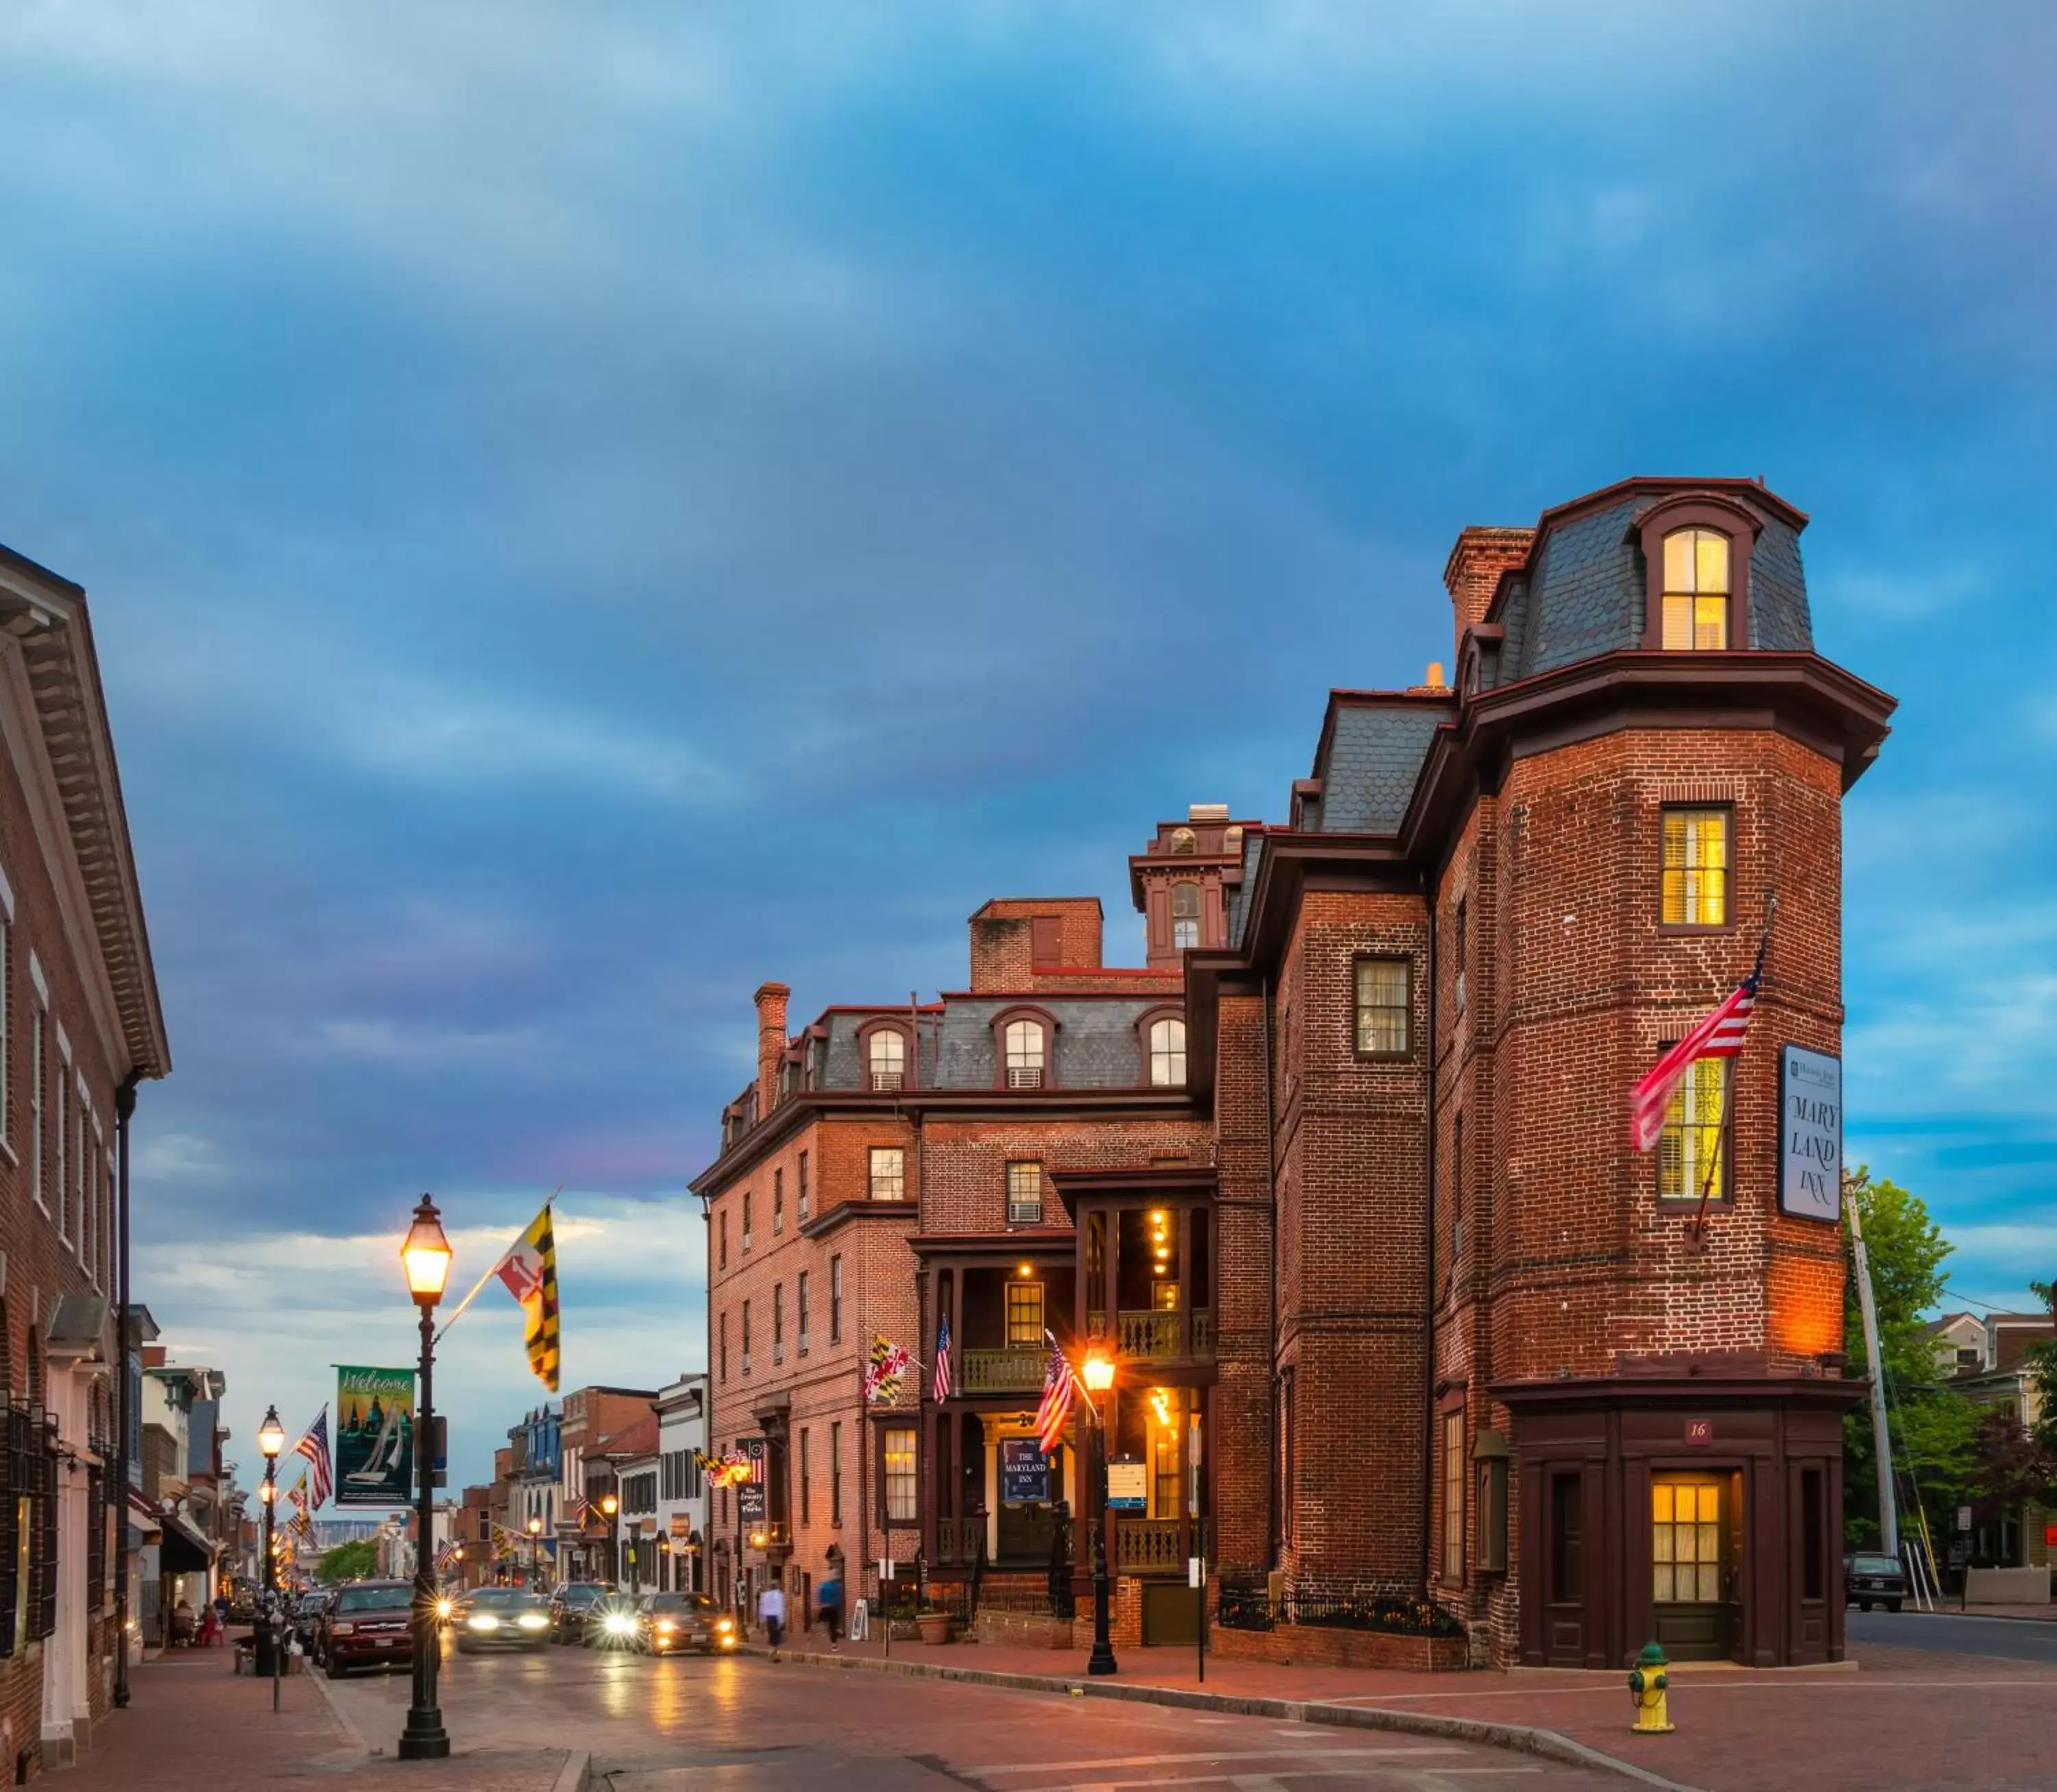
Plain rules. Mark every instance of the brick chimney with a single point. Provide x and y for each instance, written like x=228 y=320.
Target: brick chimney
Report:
x=1473 y=571
x=771 y=1042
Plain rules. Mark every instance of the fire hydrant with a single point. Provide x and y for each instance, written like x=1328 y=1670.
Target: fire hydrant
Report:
x=1647 y=1684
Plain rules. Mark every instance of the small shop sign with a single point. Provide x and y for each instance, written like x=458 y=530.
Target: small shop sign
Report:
x=1128 y=1486
x=1024 y=1472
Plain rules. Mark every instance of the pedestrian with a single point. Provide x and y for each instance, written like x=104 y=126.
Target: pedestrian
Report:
x=831 y=1600
x=220 y=1618
x=771 y=1612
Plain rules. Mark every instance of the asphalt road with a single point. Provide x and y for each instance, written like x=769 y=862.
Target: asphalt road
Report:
x=751 y=1726
x=1945 y=1633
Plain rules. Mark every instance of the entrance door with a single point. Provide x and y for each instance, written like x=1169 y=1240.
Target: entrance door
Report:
x=1692 y=1562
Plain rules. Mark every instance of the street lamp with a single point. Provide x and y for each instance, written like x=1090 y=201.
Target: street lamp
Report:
x=270 y=1440
x=425 y=1256
x=609 y=1507
x=1097 y=1373
x=535 y=1552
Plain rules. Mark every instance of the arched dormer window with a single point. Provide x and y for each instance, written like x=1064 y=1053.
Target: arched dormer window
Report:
x=1185 y=917
x=885 y=1056
x=1696 y=550
x=1021 y=1040
x=1185 y=841
x=1166 y=1036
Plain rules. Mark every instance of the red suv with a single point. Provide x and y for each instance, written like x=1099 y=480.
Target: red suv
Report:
x=370 y=1624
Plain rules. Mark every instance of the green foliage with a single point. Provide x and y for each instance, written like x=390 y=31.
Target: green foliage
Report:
x=349 y=1561
x=1933 y=1428
x=2041 y=1359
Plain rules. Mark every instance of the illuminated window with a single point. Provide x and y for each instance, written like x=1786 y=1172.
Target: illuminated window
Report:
x=1024 y=1054
x=1382 y=1003
x=888 y=1173
x=1168 y=1053
x=1024 y=1314
x=1185 y=916
x=1696 y=867
x=887 y=1057
x=1692 y=1151
x=1696 y=589
x=1686 y=1542
x=897 y=1453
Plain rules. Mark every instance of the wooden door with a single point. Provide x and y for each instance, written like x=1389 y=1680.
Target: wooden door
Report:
x=1692 y=1558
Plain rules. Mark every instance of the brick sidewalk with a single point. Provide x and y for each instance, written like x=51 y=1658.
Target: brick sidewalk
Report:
x=1898 y=1720
x=193 y=1724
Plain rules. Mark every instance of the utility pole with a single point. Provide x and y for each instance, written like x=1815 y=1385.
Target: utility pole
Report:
x=1888 y=1525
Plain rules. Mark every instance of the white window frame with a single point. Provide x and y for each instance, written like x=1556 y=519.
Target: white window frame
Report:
x=39 y=1067
x=1030 y=1071
x=872 y=1180
x=1172 y=1054
x=67 y=1076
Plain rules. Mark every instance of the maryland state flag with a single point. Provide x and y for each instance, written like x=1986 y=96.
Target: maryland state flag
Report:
x=529 y=1270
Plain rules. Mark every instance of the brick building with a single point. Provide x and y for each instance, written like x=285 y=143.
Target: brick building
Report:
x=1397 y=1306
x=588 y=1434
x=79 y=1026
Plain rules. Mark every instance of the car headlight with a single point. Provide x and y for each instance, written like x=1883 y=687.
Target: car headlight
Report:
x=484 y=1621
x=533 y=1620
x=726 y=1625
x=343 y=1630
x=619 y=1624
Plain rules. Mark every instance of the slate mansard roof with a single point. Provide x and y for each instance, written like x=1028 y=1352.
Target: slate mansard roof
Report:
x=1097 y=1045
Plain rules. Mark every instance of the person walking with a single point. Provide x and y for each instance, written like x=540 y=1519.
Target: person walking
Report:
x=831 y=1603
x=772 y=1613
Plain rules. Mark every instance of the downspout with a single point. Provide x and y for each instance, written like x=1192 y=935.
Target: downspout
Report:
x=1271 y=1160
x=1429 y=1268
x=124 y=1109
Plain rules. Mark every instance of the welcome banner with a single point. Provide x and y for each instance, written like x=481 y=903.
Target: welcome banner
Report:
x=374 y=1437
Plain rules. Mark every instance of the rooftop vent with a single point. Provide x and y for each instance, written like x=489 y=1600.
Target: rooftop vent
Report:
x=1206 y=812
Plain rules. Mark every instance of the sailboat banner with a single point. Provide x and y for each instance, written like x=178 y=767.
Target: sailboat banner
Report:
x=374 y=1437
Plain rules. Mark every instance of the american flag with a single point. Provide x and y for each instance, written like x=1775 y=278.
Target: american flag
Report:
x=946 y=1384
x=1055 y=1410
x=315 y=1447
x=1720 y=1035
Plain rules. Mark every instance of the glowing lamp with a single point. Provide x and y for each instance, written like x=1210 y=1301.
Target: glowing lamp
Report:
x=271 y=1434
x=1097 y=1371
x=427 y=1255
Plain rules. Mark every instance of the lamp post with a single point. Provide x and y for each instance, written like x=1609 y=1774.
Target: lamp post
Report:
x=1098 y=1374
x=426 y=1256
x=535 y=1552
x=264 y=1645
x=610 y=1509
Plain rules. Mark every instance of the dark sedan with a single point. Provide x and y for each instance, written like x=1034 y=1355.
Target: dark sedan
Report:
x=370 y=1625
x=569 y=1607
x=667 y=1623
x=1869 y=1580
x=501 y=1618
x=307 y=1619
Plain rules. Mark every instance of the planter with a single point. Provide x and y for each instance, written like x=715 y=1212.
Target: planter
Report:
x=934 y=1626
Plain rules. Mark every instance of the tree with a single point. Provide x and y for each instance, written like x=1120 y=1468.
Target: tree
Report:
x=349 y=1561
x=1933 y=1427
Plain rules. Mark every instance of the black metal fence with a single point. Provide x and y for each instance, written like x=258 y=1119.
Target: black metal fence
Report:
x=1248 y=1605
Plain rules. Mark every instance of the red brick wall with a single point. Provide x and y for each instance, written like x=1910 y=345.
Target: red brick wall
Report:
x=41 y=1267
x=1245 y=1446
x=1473 y=570
x=1002 y=939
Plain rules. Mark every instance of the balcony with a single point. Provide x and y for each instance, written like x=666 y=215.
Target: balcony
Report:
x=1005 y=1371
x=1150 y=1336
x=1148 y=1546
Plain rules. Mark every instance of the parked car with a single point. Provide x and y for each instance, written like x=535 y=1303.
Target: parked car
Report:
x=1874 y=1580
x=667 y=1623
x=307 y=1616
x=569 y=1605
x=501 y=1618
x=369 y=1625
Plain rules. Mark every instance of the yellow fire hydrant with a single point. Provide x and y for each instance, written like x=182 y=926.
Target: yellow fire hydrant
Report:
x=1647 y=1684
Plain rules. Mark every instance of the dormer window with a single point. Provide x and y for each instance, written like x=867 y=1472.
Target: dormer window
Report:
x=1696 y=591
x=1185 y=841
x=1168 y=1053
x=1025 y=1045
x=886 y=1059
x=1185 y=916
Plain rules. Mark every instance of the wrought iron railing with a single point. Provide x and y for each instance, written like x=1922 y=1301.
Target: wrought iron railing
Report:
x=1248 y=1605
x=1153 y=1335
x=1015 y=1371
x=960 y=1542
x=1147 y=1545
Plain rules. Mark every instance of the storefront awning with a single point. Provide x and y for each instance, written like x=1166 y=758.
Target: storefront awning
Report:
x=184 y=1550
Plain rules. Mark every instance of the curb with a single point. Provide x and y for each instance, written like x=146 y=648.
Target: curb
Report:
x=341 y=1717
x=575 y=1775
x=576 y=1772
x=1551 y=1745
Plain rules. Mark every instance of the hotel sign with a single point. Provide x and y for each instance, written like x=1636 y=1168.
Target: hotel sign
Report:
x=1810 y=1134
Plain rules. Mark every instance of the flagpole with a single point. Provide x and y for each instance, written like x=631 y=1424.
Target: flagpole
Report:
x=1722 y=1139
x=478 y=1287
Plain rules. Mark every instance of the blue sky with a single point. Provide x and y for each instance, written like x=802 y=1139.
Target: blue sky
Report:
x=587 y=508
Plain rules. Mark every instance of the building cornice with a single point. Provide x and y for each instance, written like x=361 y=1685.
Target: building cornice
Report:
x=44 y=625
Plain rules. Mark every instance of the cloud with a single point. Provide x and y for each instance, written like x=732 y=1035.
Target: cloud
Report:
x=418 y=1048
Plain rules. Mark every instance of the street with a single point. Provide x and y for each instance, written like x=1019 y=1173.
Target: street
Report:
x=656 y=1725
x=1947 y=1633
